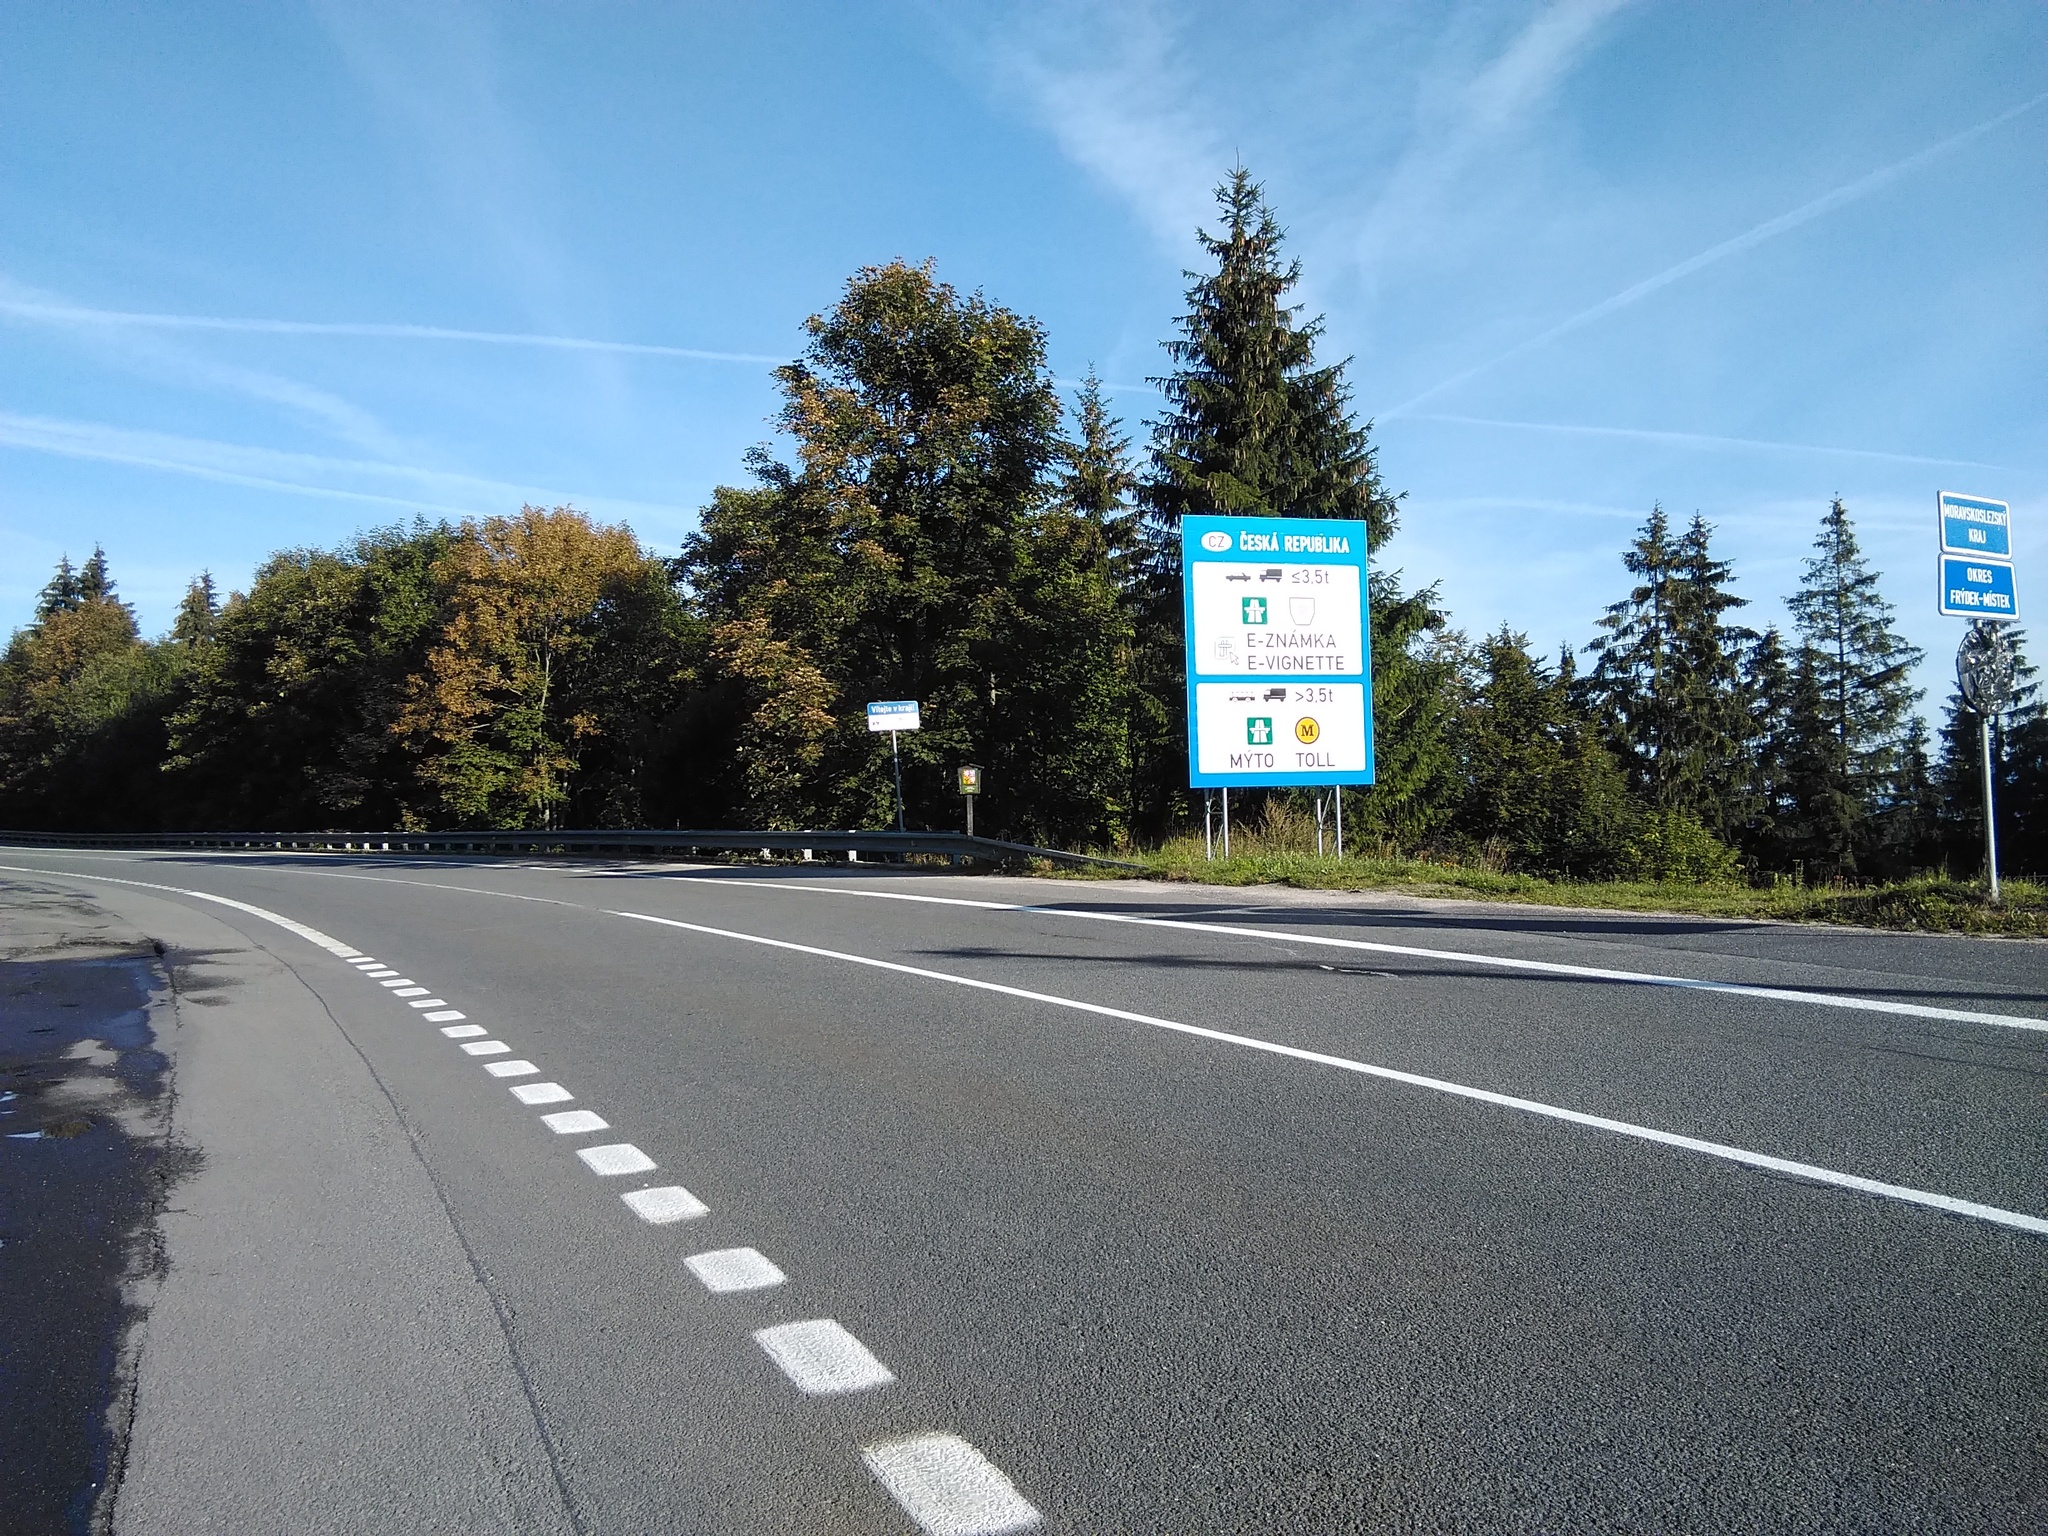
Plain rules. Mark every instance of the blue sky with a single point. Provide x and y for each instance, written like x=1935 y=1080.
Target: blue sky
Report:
x=1586 y=256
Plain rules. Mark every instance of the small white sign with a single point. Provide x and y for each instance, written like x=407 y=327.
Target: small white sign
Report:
x=893 y=715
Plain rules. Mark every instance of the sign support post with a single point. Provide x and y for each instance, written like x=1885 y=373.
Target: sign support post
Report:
x=896 y=756
x=893 y=715
x=1976 y=582
x=1990 y=817
x=1340 y=823
x=970 y=790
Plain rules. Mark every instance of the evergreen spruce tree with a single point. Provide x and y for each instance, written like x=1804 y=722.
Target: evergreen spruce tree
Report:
x=1256 y=427
x=61 y=593
x=1633 y=666
x=2019 y=758
x=95 y=585
x=1861 y=689
x=1539 y=787
x=1907 y=839
x=1767 y=696
x=1713 y=731
x=198 y=612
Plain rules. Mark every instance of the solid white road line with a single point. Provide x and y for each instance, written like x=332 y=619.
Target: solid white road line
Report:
x=948 y=1487
x=444 y=1016
x=734 y=1269
x=574 y=1122
x=464 y=1031
x=487 y=1048
x=671 y=1202
x=542 y=1093
x=822 y=1358
x=511 y=1068
x=1948 y=1203
x=327 y=942
x=1418 y=952
x=611 y=1161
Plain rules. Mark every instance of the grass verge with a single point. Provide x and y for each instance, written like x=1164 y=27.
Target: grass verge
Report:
x=1928 y=905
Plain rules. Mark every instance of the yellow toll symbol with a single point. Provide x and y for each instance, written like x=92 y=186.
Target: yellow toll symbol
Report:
x=1306 y=730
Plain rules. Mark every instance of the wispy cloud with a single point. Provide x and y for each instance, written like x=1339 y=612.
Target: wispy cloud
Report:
x=304 y=474
x=1770 y=229
x=432 y=68
x=81 y=317
x=1110 y=85
x=138 y=351
x=1467 y=120
x=1705 y=440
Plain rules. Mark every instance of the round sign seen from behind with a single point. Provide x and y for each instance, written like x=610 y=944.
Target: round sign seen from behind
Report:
x=1984 y=668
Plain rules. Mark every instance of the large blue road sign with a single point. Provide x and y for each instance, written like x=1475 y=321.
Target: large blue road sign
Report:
x=1279 y=664
x=1977 y=589
x=1976 y=558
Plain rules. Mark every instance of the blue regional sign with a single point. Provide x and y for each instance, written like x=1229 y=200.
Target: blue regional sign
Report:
x=1977 y=589
x=1976 y=558
x=1971 y=525
x=1278 y=659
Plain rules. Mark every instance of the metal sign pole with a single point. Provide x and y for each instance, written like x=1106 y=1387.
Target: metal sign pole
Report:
x=1226 y=823
x=1340 y=821
x=897 y=757
x=1208 y=825
x=1990 y=816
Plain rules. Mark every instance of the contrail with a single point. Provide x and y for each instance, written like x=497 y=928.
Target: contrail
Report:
x=68 y=314
x=1699 y=440
x=1827 y=202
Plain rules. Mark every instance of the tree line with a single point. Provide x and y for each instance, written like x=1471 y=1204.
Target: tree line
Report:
x=941 y=527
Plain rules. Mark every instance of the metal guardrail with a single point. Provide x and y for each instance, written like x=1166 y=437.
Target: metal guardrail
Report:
x=953 y=845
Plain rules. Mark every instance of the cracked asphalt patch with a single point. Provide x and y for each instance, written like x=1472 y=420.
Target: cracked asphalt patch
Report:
x=85 y=1165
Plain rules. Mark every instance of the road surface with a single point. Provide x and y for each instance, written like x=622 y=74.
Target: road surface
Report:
x=589 y=1197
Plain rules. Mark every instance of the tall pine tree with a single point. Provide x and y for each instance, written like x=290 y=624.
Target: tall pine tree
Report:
x=1859 y=690
x=1254 y=427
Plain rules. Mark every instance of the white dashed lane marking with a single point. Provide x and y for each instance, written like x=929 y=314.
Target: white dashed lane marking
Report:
x=822 y=1358
x=948 y=1487
x=620 y=1157
x=464 y=1031
x=542 y=1093
x=429 y=1002
x=669 y=1203
x=943 y=1483
x=734 y=1269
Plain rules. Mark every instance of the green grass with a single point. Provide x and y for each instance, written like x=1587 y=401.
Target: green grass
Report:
x=1926 y=905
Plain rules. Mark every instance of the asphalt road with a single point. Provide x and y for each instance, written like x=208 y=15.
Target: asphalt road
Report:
x=1167 y=1210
